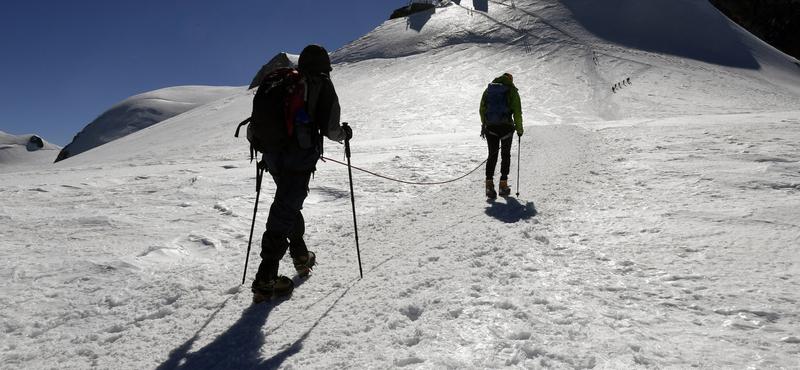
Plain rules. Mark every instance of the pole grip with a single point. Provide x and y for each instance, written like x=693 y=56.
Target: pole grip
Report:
x=346 y=142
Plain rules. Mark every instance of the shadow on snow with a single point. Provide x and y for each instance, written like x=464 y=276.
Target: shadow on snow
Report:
x=239 y=347
x=418 y=20
x=690 y=29
x=511 y=211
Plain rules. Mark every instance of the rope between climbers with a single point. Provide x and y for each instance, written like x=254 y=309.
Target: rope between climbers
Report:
x=403 y=181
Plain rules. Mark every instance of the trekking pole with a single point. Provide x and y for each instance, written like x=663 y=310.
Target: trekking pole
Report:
x=352 y=199
x=519 y=150
x=259 y=176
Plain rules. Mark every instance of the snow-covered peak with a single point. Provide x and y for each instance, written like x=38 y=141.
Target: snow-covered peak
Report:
x=140 y=111
x=23 y=150
x=571 y=62
x=425 y=31
x=282 y=60
x=691 y=29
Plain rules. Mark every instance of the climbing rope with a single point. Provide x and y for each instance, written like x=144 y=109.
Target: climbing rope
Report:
x=403 y=181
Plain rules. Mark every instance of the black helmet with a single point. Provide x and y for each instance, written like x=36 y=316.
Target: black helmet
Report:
x=314 y=58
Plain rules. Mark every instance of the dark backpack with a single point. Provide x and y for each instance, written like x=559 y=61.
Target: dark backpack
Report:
x=278 y=111
x=497 y=110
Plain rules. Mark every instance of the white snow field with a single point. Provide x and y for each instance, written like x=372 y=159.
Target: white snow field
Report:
x=656 y=226
x=140 y=111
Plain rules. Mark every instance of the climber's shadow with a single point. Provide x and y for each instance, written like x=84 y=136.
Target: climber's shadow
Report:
x=511 y=210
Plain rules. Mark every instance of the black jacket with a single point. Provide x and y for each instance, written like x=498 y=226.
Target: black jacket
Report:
x=323 y=105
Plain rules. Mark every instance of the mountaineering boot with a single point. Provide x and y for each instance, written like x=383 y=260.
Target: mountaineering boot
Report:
x=504 y=189
x=264 y=290
x=490 y=193
x=304 y=264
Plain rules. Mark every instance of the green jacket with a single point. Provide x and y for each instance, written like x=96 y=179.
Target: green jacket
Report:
x=513 y=103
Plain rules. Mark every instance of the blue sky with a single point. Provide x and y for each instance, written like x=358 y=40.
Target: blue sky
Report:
x=62 y=63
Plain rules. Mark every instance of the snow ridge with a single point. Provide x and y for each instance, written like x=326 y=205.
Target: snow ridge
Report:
x=141 y=111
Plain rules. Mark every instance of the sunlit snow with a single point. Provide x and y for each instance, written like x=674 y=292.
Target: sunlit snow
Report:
x=656 y=227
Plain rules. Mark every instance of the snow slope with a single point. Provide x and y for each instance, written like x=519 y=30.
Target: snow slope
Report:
x=140 y=111
x=24 y=150
x=566 y=71
x=656 y=227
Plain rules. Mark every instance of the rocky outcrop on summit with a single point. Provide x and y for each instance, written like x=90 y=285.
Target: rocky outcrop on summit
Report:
x=411 y=9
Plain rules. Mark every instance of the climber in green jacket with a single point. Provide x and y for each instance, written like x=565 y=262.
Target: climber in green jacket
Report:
x=501 y=116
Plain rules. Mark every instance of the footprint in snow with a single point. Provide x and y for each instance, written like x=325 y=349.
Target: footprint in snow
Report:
x=202 y=241
x=791 y=339
x=521 y=334
x=413 y=339
x=223 y=209
x=505 y=305
x=407 y=361
x=411 y=311
x=160 y=253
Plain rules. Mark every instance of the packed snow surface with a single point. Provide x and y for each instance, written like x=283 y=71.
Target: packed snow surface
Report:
x=657 y=223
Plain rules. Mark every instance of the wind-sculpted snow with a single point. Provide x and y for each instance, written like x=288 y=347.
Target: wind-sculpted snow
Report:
x=141 y=111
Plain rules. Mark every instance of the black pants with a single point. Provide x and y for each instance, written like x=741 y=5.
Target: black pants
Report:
x=285 y=225
x=504 y=145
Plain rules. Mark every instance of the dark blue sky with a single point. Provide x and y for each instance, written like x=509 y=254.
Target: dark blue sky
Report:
x=62 y=63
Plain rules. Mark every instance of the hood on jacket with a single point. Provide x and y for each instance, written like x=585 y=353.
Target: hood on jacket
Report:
x=504 y=80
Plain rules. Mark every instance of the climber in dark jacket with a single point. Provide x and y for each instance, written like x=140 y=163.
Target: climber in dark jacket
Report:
x=291 y=170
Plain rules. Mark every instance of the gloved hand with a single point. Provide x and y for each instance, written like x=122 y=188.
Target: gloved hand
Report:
x=520 y=131
x=483 y=132
x=348 y=132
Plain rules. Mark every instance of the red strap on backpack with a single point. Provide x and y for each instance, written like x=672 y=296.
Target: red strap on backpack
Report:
x=295 y=100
